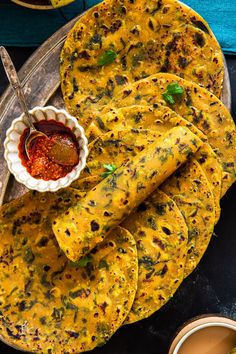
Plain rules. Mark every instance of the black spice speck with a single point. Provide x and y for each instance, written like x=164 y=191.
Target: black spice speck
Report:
x=94 y=225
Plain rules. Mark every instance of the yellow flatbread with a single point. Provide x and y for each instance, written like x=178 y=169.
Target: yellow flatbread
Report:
x=212 y=168
x=49 y=304
x=158 y=119
x=153 y=292
x=196 y=105
x=117 y=43
x=116 y=146
x=192 y=193
x=82 y=227
x=161 y=236
x=86 y=183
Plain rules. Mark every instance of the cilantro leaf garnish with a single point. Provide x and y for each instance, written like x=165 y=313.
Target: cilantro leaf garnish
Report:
x=173 y=89
x=168 y=98
x=83 y=262
x=110 y=169
x=107 y=57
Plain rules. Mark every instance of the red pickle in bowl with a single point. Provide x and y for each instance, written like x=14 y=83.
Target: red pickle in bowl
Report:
x=53 y=157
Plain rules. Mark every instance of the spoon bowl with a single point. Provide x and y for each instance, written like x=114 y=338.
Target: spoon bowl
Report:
x=33 y=134
x=13 y=159
x=61 y=145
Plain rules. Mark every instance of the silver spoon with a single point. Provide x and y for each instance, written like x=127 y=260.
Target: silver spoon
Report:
x=15 y=83
x=63 y=151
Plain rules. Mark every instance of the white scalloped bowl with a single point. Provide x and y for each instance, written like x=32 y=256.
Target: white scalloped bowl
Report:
x=14 y=162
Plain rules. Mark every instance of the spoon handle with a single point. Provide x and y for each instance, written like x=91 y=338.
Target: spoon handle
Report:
x=15 y=83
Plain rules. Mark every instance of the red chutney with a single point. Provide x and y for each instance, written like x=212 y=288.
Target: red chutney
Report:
x=39 y=165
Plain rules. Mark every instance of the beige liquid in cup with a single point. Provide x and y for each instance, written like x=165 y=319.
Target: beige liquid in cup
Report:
x=210 y=340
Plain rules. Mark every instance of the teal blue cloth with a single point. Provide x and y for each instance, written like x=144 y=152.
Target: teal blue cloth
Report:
x=221 y=16
x=24 y=27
